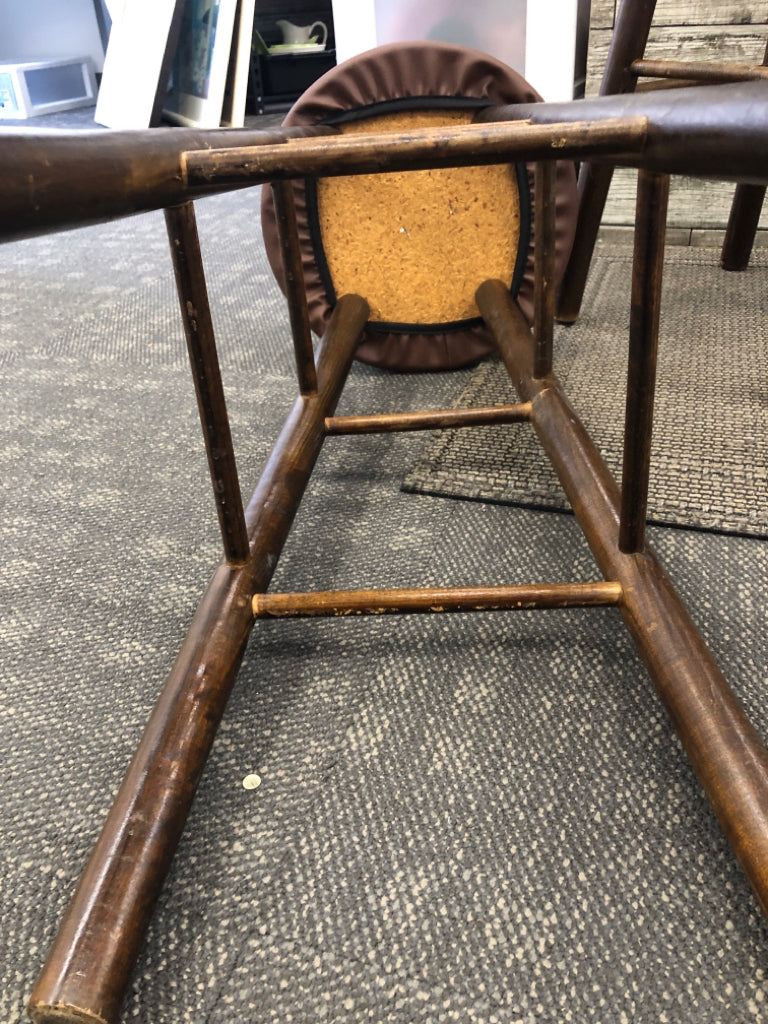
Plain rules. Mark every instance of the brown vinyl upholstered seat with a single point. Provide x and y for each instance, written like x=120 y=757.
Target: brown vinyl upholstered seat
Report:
x=418 y=244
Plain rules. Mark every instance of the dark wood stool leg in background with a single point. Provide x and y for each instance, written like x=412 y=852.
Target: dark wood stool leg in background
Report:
x=630 y=35
x=743 y=220
x=742 y=226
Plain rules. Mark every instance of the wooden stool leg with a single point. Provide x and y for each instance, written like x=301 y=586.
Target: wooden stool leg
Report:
x=91 y=960
x=650 y=227
x=742 y=226
x=742 y=222
x=201 y=346
x=724 y=748
x=544 y=264
x=285 y=215
x=630 y=34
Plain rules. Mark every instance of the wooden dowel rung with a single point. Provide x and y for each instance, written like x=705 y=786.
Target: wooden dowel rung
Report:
x=457 y=146
x=436 y=599
x=698 y=71
x=432 y=419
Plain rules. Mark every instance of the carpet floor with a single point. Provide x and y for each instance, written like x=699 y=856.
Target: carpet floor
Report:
x=460 y=818
x=710 y=438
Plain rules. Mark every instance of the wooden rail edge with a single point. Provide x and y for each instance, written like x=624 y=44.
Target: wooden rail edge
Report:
x=432 y=419
x=436 y=599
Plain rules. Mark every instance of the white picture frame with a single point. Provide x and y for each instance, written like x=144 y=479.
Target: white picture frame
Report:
x=236 y=89
x=199 y=75
x=550 y=48
x=134 y=63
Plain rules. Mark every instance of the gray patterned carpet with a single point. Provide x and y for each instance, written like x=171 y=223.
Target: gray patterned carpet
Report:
x=710 y=443
x=461 y=818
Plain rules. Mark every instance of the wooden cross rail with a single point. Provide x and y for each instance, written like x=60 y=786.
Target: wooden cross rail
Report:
x=436 y=599
x=471 y=144
x=432 y=419
x=698 y=71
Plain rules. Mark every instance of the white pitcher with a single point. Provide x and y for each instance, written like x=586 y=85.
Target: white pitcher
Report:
x=296 y=35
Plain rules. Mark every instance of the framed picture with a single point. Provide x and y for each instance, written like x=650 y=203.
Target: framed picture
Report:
x=233 y=111
x=136 y=64
x=199 y=75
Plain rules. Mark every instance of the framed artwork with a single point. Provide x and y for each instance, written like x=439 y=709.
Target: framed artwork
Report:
x=199 y=76
x=233 y=111
x=137 y=62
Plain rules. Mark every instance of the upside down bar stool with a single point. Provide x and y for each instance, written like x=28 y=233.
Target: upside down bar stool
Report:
x=91 y=960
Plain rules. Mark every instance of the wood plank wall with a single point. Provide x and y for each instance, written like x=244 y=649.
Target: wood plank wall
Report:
x=684 y=30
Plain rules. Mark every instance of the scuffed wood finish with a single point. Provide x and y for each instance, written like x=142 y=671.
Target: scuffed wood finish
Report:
x=436 y=599
x=705 y=72
x=433 y=419
x=461 y=146
x=201 y=346
x=91 y=960
x=53 y=180
x=647 y=270
x=724 y=748
x=293 y=274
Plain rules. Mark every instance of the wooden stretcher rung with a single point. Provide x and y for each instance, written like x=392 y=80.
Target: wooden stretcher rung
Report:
x=472 y=144
x=432 y=419
x=698 y=71
x=436 y=599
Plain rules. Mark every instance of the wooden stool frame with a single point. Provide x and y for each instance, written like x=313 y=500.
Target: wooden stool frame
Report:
x=90 y=963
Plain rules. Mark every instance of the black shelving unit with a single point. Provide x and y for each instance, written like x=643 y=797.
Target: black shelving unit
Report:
x=277 y=80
